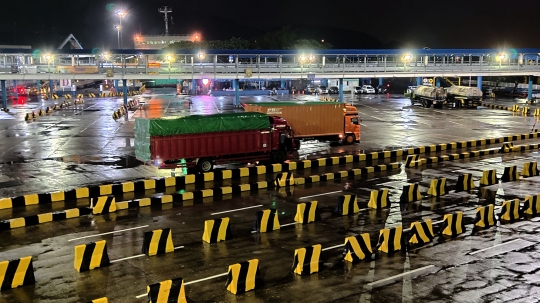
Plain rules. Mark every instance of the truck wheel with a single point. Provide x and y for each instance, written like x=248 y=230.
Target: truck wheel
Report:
x=278 y=156
x=297 y=144
x=205 y=165
x=350 y=139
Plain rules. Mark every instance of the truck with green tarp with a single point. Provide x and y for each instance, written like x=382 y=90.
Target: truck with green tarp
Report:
x=204 y=141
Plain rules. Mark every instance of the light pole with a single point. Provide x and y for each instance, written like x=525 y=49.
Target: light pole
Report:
x=121 y=14
x=169 y=59
x=501 y=58
x=302 y=59
x=118 y=28
x=48 y=57
x=406 y=58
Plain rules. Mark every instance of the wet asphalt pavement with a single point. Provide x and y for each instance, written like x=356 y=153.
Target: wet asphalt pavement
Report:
x=494 y=265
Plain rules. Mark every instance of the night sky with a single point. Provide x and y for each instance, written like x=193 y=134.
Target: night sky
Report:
x=345 y=24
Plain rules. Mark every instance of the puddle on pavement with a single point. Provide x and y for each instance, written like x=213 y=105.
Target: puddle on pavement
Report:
x=113 y=162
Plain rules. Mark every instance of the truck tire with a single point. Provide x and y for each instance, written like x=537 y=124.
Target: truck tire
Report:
x=349 y=139
x=279 y=156
x=205 y=165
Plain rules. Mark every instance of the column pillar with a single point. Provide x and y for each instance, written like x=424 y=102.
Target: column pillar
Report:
x=116 y=85
x=193 y=86
x=438 y=81
x=236 y=93
x=529 y=92
x=16 y=90
x=340 y=89
x=124 y=89
x=479 y=82
x=51 y=87
x=4 y=95
x=418 y=81
x=282 y=84
x=380 y=81
x=325 y=82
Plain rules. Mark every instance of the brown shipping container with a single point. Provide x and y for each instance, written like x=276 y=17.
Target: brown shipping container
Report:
x=307 y=120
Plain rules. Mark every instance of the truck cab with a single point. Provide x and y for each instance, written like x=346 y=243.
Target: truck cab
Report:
x=285 y=133
x=352 y=125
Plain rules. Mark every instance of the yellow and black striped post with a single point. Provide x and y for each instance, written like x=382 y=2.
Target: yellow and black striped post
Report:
x=422 y=232
x=307 y=212
x=532 y=205
x=453 y=224
x=526 y=110
x=536 y=112
x=437 y=187
x=103 y=205
x=507 y=147
x=167 y=291
x=510 y=174
x=485 y=216
x=90 y=256
x=284 y=179
x=410 y=193
x=158 y=241
x=489 y=177
x=390 y=239
x=15 y=273
x=379 y=199
x=357 y=248
x=347 y=204
x=464 y=183
x=100 y=300
x=307 y=259
x=217 y=230
x=530 y=169
x=243 y=277
x=413 y=161
x=266 y=220
x=510 y=211
x=515 y=108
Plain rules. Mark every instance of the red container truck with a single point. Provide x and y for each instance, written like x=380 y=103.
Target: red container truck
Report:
x=204 y=141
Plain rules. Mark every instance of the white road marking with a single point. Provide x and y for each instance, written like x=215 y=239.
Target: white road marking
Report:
x=333 y=192
x=192 y=282
x=289 y=224
x=400 y=275
x=127 y=258
x=111 y=232
x=230 y=211
x=488 y=248
x=332 y=247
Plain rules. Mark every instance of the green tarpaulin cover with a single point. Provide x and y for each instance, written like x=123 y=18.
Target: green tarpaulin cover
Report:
x=168 y=126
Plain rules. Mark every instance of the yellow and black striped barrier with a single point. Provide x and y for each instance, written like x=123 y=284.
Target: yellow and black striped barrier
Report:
x=41 y=112
x=54 y=97
x=217 y=230
x=103 y=205
x=44 y=218
x=379 y=199
x=510 y=211
x=453 y=224
x=90 y=256
x=515 y=108
x=507 y=147
x=530 y=169
x=422 y=232
x=464 y=183
x=307 y=212
x=48 y=110
x=80 y=96
x=15 y=273
x=307 y=259
x=91 y=95
x=510 y=174
x=357 y=248
x=532 y=205
x=284 y=179
x=67 y=96
x=437 y=187
x=413 y=161
x=410 y=193
x=167 y=291
x=243 y=277
x=100 y=300
x=485 y=216
x=536 y=112
x=266 y=220
x=157 y=242
x=102 y=95
x=390 y=239
x=347 y=205
x=526 y=110
x=489 y=177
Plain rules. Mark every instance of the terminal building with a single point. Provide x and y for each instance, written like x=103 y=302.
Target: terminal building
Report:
x=161 y=41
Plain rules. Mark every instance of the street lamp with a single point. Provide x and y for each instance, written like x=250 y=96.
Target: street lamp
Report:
x=121 y=14
x=501 y=57
x=169 y=59
x=49 y=58
x=118 y=28
x=406 y=58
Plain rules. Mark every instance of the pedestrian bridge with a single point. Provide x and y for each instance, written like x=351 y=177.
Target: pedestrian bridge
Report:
x=28 y=64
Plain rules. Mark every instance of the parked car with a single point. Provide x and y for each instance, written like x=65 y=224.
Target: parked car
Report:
x=310 y=89
x=357 y=89
x=333 y=90
x=368 y=89
x=322 y=90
